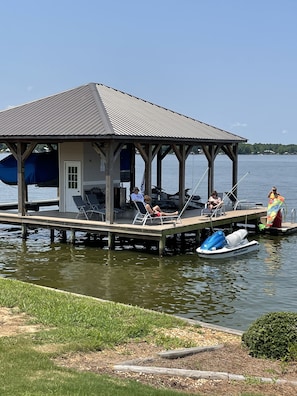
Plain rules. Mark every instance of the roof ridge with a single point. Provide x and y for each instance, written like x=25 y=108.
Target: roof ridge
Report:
x=101 y=108
x=164 y=108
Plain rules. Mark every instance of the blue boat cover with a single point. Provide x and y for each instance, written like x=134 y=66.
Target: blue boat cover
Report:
x=40 y=168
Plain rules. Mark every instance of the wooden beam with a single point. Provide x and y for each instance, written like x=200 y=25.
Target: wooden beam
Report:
x=109 y=188
x=148 y=152
x=21 y=152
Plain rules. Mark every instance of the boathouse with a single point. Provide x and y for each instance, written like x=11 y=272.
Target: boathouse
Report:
x=92 y=135
x=97 y=131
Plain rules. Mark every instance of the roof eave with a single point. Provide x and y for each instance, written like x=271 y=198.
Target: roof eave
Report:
x=59 y=138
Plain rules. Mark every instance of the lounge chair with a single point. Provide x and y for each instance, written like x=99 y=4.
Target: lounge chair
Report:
x=142 y=215
x=237 y=204
x=86 y=209
x=97 y=207
x=218 y=211
x=94 y=202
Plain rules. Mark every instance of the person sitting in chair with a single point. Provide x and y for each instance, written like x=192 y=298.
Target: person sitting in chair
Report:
x=155 y=210
x=214 y=201
x=136 y=195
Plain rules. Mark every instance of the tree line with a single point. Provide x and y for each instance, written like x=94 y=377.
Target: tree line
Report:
x=259 y=148
x=267 y=148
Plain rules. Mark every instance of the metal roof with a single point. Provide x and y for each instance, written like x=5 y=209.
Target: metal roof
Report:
x=95 y=111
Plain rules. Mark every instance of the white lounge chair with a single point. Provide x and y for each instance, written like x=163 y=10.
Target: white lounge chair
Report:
x=143 y=215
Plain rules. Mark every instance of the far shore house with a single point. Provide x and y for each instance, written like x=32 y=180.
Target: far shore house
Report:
x=97 y=131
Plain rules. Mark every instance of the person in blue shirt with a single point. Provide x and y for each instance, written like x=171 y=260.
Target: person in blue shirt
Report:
x=136 y=195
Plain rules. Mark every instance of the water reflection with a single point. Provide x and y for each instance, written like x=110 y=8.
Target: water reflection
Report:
x=230 y=292
x=273 y=248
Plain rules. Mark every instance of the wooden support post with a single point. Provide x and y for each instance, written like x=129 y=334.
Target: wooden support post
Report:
x=111 y=241
x=63 y=234
x=162 y=245
x=183 y=241
x=52 y=232
x=72 y=236
x=198 y=237
x=24 y=231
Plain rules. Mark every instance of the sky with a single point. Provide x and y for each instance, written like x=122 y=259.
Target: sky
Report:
x=229 y=63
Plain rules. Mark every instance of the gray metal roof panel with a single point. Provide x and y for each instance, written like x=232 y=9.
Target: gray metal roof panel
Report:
x=98 y=111
x=132 y=116
x=73 y=112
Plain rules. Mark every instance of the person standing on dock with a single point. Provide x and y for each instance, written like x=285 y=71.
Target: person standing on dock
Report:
x=273 y=193
x=274 y=213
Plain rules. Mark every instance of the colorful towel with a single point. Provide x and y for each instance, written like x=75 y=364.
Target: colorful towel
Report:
x=274 y=206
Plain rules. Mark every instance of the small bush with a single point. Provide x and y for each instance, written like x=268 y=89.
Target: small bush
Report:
x=273 y=335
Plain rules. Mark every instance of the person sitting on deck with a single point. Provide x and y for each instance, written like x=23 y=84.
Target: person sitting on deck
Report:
x=136 y=195
x=156 y=210
x=214 y=201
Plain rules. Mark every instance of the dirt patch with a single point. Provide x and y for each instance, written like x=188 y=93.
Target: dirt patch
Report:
x=231 y=358
x=13 y=322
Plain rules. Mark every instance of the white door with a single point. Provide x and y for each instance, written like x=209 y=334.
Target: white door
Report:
x=72 y=184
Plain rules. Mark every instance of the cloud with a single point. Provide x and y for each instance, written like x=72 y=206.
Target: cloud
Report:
x=239 y=124
x=284 y=132
x=29 y=88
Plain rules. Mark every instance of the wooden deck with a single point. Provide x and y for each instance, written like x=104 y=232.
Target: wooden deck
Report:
x=285 y=229
x=34 y=205
x=191 y=222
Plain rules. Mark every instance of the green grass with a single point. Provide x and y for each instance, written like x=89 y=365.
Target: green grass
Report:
x=71 y=323
x=27 y=372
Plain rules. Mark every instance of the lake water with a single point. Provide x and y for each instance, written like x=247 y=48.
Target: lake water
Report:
x=231 y=292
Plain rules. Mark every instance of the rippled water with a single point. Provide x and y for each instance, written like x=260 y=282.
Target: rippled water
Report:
x=230 y=292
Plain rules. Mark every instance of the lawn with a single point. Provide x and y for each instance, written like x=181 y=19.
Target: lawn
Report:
x=70 y=323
